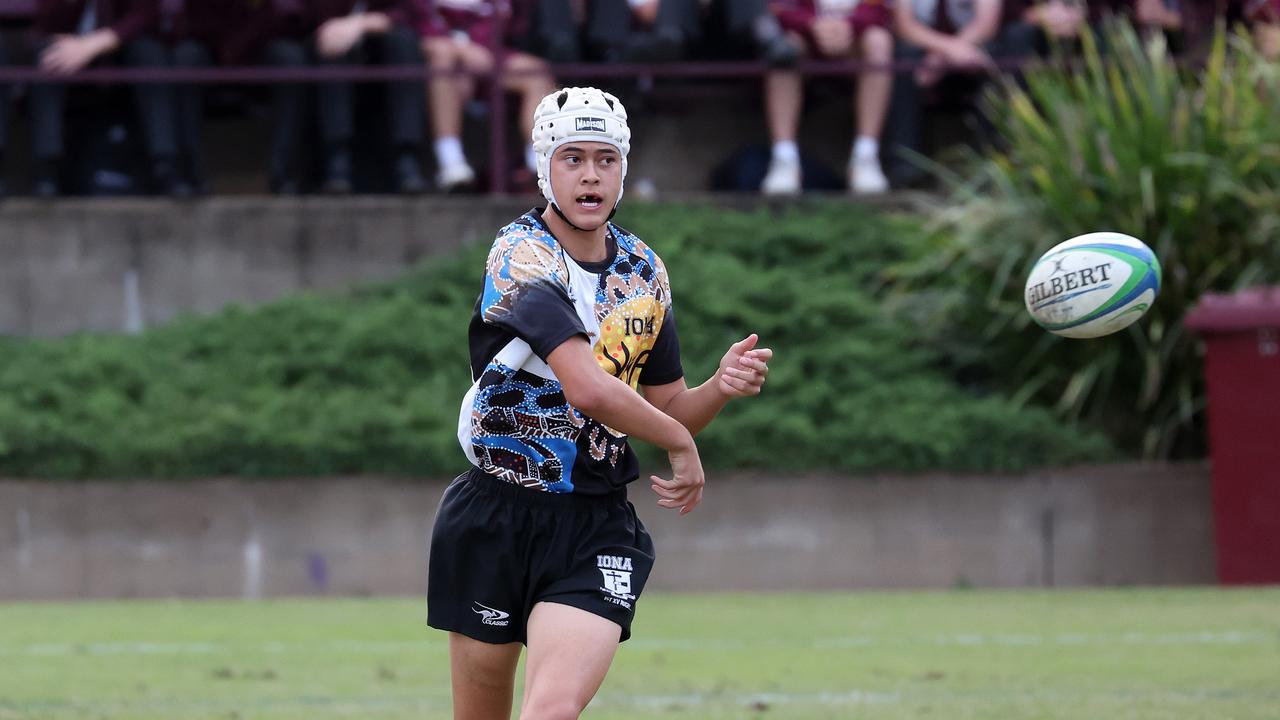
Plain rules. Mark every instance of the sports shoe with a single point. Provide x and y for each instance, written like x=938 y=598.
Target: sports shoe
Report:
x=337 y=179
x=866 y=177
x=783 y=178
x=455 y=176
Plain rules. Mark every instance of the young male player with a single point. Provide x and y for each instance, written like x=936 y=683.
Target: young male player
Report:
x=538 y=544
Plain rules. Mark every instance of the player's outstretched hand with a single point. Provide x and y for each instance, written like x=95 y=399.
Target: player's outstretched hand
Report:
x=684 y=489
x=744 y=368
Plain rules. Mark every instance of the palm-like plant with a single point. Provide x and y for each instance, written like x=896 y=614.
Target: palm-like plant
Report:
x=1187 y=159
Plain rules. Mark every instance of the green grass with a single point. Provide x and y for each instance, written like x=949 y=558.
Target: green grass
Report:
x=1203 y=653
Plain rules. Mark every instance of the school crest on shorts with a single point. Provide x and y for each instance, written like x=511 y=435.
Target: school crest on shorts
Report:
x=616 y=571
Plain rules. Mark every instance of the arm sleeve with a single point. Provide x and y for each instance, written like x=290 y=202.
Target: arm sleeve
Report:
x=663 y=365
x=526 y=293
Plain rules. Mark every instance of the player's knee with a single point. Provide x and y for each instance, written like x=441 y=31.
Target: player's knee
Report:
x=552 y=708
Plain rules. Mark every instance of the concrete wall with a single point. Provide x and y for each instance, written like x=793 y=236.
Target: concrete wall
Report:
x=364 y=536
x=124 y=264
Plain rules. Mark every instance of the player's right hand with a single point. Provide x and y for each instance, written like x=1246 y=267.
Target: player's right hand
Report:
x=684 y=489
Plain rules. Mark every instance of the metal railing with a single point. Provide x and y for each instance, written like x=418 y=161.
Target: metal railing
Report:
x=257 y=75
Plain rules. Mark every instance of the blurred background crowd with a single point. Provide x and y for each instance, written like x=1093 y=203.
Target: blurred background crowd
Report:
x=907 y=56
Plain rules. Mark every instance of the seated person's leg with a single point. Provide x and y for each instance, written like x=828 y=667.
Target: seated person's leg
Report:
x=157 y=113
x=554 y=31
x=337 y=121
x=4 y=120
x=903 y=138
x=608 y=30
x=660 y=29
x=531 y=78
x=48 y=100
x=783 y=99
x=288 y=102
x=746 y=27
x=190 y=102
x=875 y=84
x=406 y=108
x=448 y=93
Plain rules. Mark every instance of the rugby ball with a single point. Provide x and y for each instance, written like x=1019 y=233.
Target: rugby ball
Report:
x=1093 y=285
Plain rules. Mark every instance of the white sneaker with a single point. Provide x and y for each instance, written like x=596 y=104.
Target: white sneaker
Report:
x=783 y=178
x=866 y=177
x=454 y=176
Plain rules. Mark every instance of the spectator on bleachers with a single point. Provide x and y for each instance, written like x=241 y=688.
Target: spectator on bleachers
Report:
x=4 y=119
x=71 y=35
x=348 y=32
x=833 y=30
x=1264 y=17
x=204 y=33
x=1065 y=20
x=612 y=30
x=746 y=28
x=194 y=31
x=954 y=40
x=457 y=35
x=1057 y=20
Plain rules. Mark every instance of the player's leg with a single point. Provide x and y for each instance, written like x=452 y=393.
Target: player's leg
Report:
x=483 y=677
x=875 y=87
x=570 y=651
x=783 y=98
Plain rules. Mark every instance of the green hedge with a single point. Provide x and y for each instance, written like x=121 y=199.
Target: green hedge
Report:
x=370 y=381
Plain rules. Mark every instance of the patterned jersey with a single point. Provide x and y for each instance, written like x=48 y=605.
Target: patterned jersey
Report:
x=515 y=422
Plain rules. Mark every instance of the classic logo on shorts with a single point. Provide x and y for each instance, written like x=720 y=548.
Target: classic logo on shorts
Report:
x=585 y=124
x=489 y=616
x=617 y=578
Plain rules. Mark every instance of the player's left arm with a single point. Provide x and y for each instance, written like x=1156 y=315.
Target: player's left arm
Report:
x=742 y=373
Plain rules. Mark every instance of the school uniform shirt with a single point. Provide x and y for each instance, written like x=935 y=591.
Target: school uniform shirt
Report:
x=236 y=30
x=515 y=423
x=798 y=16
x=476 y=19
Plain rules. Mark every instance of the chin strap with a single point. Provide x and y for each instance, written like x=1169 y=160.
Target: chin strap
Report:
x=565 y=218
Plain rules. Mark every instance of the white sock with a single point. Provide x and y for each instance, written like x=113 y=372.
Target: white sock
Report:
x=449 y=151
x=866 y=148
x=786 y=151
x=530 y=158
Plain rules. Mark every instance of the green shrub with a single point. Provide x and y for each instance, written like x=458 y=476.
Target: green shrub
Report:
x=1187 y=160
x=370 y=381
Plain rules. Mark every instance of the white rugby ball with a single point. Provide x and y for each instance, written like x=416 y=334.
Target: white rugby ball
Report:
x=1093 y=285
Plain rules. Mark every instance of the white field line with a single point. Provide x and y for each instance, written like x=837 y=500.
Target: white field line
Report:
x=704 y=701
x=1200 y=638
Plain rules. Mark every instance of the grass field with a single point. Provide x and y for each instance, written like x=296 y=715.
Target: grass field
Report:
x=1203 y=653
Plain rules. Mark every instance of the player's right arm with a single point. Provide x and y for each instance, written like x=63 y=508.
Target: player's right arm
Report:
x=612 y=402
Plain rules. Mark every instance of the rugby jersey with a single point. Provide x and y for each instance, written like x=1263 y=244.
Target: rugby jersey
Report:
x=515 y=423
